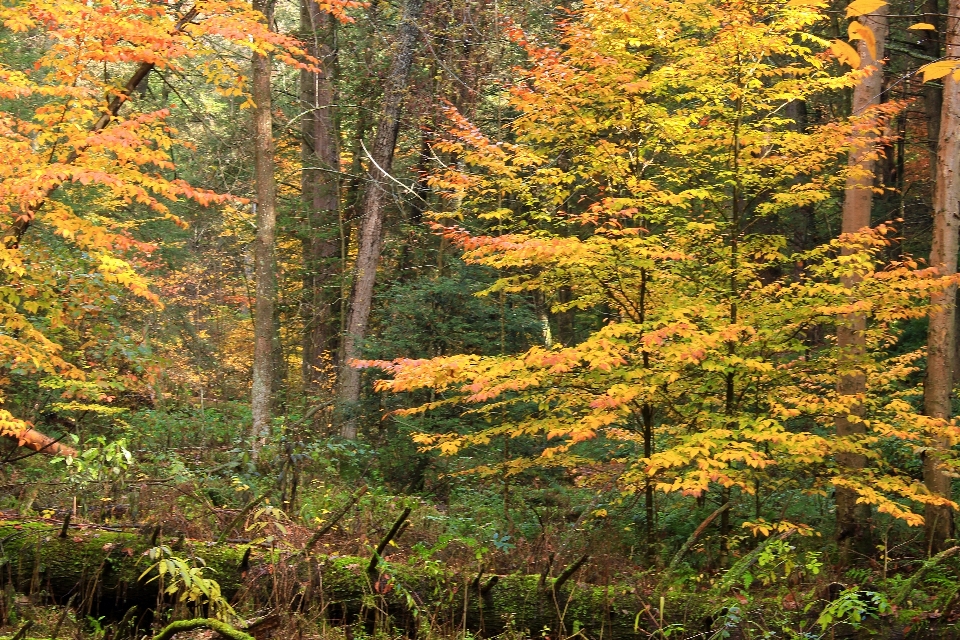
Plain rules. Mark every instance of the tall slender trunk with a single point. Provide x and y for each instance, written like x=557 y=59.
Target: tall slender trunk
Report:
x=932 y=93
x=853 y=529
x=941 y=338
x=320 y=192
x=265 y=261
x=371 y=227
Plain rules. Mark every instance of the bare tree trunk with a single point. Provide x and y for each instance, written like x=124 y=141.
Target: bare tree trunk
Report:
x=371 y=227
x=853 y=526
x=265 y=261
x=932 y=94
x=320 y=189
x=941 y=337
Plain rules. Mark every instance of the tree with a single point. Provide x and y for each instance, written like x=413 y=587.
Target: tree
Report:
x=371 y=226
x=853 y=524
x=941 y=340
x=320 y=186
x=264 y=329
x=86 y=170
x=664 y=218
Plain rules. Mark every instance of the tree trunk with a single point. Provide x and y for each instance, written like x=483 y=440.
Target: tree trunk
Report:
x=853 y=527
x=371 y=226
x=941 y=337
x=320 y=189
x=265 y=261
x=932 y=94
x=39 y=442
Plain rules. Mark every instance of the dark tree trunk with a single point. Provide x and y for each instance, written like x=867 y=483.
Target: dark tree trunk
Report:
x=320 y=188
x=371 y=225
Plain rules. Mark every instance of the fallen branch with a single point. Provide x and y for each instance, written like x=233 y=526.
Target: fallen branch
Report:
x=693 y=539
x=378 y=554
x=23 y=630
x=567 y=573
x=239 y=519
x=930 y=563
x=78 y=564
x=41 y=443
x=335 y=518
x=740 y=567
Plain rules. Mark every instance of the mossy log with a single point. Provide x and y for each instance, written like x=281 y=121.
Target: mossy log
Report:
x=222 y=628
x=103 y=569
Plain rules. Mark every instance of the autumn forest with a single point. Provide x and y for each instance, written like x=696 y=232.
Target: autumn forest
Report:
x=461 y=319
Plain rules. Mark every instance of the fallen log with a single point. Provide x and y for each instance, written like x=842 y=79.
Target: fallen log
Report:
x=106 y=565
x=41 y=443
x=222 y=628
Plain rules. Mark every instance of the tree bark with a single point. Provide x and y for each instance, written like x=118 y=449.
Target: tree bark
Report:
x=265 y=262
x=371 y=227
x=941 y=337
x=853 y=526
x=41 y=443
x=320 y=189
x=932 y=94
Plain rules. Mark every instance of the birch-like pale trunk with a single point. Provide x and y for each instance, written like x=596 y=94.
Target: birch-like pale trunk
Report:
x=853 y=526
x=264 y=247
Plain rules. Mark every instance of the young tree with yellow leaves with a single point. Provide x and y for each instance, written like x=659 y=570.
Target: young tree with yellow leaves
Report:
x=653 y=175
x=86 y=157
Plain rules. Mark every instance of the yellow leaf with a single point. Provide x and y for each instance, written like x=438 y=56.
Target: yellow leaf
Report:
x=857 y=31
x=845 y=53
x=922 y=26
x=936 y=70
x=862 y=7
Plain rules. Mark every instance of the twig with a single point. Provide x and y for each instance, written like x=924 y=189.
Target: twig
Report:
x=23 y=630
x=63 y=616
x=66 y=525
x=567 y=573
x=240 y=518
x=378 y=554
x=334 y=519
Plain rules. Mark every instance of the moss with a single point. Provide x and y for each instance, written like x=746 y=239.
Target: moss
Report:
x=37 y=559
